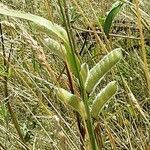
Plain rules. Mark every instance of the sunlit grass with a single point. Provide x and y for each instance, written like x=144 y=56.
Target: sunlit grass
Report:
x=33 y=71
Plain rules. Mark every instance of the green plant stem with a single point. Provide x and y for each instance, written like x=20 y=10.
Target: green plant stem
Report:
x=72 y=46
x=83 y=92
x=89 y=124
x=80 y=127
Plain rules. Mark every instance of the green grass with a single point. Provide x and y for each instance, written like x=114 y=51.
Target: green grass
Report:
x=30 y=70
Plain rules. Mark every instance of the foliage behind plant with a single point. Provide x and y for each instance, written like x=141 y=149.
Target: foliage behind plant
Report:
x=50 y=97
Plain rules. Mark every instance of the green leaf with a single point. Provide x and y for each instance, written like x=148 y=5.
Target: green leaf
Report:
x=101 y=68
x=39 y=21
x=111 y=15
x=72 y=64
x=84 y=72
x=102 y=98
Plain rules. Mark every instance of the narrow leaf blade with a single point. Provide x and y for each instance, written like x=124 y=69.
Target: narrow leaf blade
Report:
x=111 y=15
x=40 y=21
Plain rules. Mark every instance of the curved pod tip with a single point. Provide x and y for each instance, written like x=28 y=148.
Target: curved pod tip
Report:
x=102 y=98
x=101 y=68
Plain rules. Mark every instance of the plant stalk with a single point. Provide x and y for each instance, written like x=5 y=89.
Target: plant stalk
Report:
x=82 y=90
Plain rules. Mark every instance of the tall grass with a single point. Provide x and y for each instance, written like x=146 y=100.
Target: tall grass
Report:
x=50 y=96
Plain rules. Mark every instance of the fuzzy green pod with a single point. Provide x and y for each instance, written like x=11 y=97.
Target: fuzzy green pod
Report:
x=101 y=68
x=102 y=98
x=72 y=100
x=55 y=47
x=84 y=71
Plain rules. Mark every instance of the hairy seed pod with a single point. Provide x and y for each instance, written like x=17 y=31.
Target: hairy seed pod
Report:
x=102 y=98
x=84 y=71
x=72 y=100
x=101 y=68
x=55 y=47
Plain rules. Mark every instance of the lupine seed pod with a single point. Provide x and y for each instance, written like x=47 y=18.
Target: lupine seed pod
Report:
x=101 y=68
x=84 y=71
x=102 y=98
x=72 y=100
x=55 y=47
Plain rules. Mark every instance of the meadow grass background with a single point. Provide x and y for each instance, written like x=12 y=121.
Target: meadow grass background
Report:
x=25 y=81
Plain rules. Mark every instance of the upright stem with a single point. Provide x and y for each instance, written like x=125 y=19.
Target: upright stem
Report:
x=72 y=47
x=82 y=90
x=89 y=124
x=79 y=123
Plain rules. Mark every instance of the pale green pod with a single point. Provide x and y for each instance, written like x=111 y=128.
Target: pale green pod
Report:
x=64 y=95
x=72 y=100
x=78 y=105
x=55 y=47
x=102 y=98
x=84 y=72
x=101 y=68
